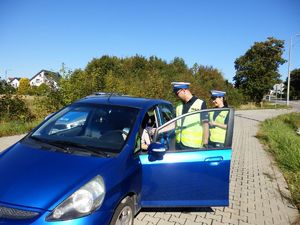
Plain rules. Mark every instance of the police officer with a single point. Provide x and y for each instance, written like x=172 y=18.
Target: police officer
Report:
x=191 y=131
x=218 y=119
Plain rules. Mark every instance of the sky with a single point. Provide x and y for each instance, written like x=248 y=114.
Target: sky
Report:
x=43 y=34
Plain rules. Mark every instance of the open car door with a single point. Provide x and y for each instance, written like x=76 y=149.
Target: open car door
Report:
x=178 y=175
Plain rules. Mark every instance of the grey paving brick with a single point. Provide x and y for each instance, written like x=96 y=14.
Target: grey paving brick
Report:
x=139 y=222
x=242 y=223
x=231 y=210
x=163 y=216
x=219 y=223
x=226 y=218
x=165 y=222
x=190 y=222
x=140 y=216
x=188 y=216
x=214 y=217
x=176 y=219
x=177 y=214
x=203 y=220
x=151 y=219
x=150 y=213
x=238 y=217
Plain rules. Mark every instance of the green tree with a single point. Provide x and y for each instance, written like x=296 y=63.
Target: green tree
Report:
x=209 y=78
x=43 y=89
x=2 y=86
x=206 y=78
x=6 y=88
x=75 y=86
x=97 y=69
x=112 y=84
x=257 y=69
x=142 y=77
x=24 y=86
x=294 y=84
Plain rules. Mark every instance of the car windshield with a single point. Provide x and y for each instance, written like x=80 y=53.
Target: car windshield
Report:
x=96 y=128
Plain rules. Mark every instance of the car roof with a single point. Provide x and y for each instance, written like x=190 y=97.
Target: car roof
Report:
x=122 y=100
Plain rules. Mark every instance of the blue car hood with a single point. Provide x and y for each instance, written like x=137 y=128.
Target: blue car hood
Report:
x=39 y=178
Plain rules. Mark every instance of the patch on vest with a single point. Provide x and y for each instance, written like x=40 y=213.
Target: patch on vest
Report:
x=194 y=109
x=222 y=116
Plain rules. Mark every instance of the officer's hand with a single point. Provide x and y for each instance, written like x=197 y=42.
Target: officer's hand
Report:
x=212 y=123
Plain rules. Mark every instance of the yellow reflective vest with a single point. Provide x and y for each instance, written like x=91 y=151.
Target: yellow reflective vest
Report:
x=217 y=134
x=189 y=129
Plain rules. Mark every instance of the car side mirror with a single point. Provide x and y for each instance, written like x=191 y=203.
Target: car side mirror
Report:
x=156 y=151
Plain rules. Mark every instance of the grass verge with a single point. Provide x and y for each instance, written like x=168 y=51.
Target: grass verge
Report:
x=263 y=105
x=280 y=137
x=15 y=127
x=10 y=127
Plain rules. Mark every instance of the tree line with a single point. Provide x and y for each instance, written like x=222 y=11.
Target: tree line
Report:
x=144 y=77
x=256 y=73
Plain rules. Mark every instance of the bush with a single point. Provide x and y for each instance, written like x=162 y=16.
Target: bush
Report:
x=17 y=127
x=44 y=105
x=6 y=88
x=13 y=107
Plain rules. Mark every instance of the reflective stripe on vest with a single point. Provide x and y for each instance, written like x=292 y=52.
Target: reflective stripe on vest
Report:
x=189 y=129
x=218 y=134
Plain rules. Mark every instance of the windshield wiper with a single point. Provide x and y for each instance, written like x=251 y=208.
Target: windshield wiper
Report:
x=38 y=139
x=86 y=148
x=49 y=142
x=67 y=146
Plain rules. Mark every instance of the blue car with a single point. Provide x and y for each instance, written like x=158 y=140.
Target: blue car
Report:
x=85 y=164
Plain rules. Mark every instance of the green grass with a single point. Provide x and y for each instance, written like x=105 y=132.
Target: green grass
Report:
x=264 y=105
x=280 y=137
x=9 y=127
x=15 y=127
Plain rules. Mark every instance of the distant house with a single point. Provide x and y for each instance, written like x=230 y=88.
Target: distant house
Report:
x=14 y=81
x=45 y=77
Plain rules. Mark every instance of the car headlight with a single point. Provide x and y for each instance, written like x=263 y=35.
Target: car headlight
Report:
x=82 y=202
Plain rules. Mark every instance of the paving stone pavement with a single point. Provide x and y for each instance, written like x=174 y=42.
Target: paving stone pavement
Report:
x=258 y=191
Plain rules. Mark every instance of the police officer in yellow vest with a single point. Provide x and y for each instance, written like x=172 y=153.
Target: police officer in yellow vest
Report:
x=218 y=119
x=191 y=131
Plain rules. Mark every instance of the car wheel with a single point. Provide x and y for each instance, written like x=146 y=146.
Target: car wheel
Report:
x=124 y=213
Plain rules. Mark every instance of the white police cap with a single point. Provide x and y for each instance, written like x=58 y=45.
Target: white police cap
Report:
x=216 y=93
x=180 y=85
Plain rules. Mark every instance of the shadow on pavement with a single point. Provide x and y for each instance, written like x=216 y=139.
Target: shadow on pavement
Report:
x=182 y=210
x=245 y=117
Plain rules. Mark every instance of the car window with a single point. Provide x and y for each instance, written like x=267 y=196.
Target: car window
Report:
x=197 y=130
x=166 y=113
x=147 y=129
x=103 y=127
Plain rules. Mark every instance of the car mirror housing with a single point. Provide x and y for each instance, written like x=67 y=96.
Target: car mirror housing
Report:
x=156 y=151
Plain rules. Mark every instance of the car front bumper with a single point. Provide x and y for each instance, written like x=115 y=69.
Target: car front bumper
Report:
x=96 y=218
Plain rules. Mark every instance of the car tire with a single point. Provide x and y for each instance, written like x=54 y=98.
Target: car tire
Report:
x=124 y=213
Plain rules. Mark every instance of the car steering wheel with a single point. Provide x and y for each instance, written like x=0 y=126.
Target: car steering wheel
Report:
x=111 y=132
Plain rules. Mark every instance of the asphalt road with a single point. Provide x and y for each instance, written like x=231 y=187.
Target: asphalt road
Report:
x=294 y=104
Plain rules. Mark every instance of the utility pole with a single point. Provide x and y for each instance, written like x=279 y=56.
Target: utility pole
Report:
x=289 y=72
x=6 y=74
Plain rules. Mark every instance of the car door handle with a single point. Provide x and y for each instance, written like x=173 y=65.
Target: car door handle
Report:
x=213 y=159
